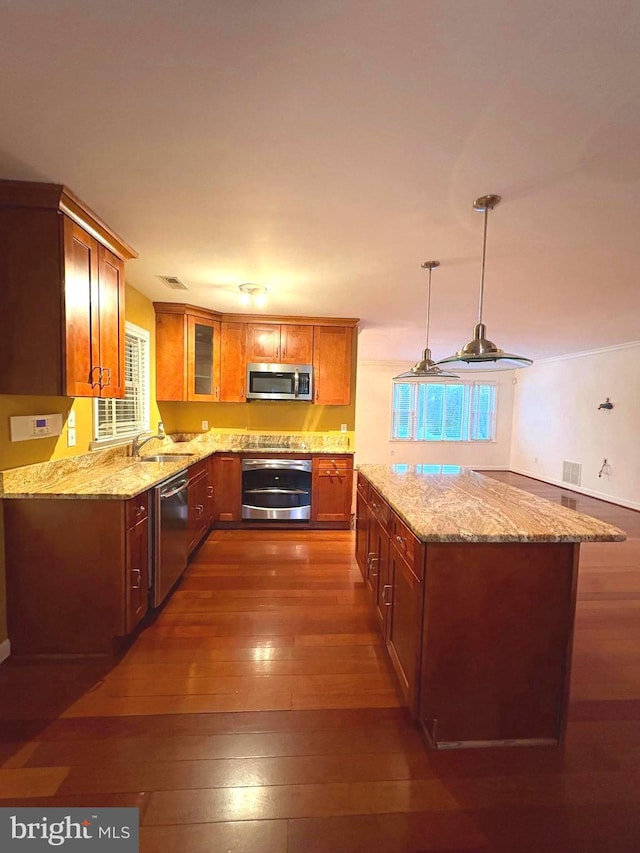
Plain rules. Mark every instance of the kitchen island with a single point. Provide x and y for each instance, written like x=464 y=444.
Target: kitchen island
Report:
x=474 y=587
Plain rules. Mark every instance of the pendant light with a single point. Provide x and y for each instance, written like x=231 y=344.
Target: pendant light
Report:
x=480 y=353
x=426 y=368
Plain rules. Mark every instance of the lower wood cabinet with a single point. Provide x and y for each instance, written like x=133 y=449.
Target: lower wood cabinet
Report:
x=227 y=487
x=332 y=489
x=403 y=598
x=137 y=561
x=76 y=573
x=198 y=503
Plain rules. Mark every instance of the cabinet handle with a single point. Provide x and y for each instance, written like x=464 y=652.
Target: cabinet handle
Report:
x=141 y=509
x=106 y=370
x=374 y=560
x=199 y=510
x=401 y=541
x=93 y=382
x=370 y=557
x=138 y=584
x=209 y=491
x=384 y=594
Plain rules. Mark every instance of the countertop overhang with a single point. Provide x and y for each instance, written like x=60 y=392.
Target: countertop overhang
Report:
x=461 y=505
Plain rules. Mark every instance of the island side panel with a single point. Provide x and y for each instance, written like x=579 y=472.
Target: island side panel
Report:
x=65 y=576
x=497 y=639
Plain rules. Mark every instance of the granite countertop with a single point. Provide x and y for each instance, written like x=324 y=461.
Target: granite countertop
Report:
x=113 y=475
x=460 y=505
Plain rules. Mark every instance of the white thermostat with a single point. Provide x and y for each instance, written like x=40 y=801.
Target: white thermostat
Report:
x=25 y=427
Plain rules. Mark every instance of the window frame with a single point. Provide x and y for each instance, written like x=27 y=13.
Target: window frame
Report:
x=470 y=416
x=142 y=425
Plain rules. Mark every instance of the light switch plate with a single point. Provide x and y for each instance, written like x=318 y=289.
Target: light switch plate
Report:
x=71 y=419
x=205 y=425
x=71 y=437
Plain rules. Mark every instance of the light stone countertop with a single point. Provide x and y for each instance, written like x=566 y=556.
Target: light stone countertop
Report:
x=113 y=475
x=460 y=505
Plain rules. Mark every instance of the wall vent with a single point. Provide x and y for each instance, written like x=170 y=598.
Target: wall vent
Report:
x=570 y=503
x=173 y=282
x=571 y=473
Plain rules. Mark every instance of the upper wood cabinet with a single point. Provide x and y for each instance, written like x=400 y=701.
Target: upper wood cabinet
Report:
x=187 y=353
x=233 y=362
x=332 y=364
x=279 y=344
x=62 y=280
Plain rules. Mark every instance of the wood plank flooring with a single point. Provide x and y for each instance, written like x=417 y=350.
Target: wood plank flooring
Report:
x=259 y=714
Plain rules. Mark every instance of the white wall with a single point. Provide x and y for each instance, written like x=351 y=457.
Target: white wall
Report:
x=556 y=418
x=373 y=424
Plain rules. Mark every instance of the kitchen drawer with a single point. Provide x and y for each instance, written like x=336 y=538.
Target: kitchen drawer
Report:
x=363 y=488
x=197 y=470
x=137 y=509
x=408 y=546
x=333 y=463
x=379 y=508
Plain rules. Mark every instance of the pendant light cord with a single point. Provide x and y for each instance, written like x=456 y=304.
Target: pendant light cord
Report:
x=428 y=308
x=484 y=251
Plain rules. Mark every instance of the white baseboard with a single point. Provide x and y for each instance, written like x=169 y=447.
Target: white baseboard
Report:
x=592 y=493
x=5 y=650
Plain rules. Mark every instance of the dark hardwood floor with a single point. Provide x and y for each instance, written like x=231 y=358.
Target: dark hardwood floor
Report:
x=259 y=714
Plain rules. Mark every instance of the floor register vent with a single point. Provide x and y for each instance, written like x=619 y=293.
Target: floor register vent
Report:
x=571 y=473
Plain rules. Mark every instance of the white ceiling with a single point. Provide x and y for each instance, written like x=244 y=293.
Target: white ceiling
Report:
x=325 y=149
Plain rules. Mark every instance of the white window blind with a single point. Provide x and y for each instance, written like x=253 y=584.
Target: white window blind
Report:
x=123 y=418
x=448 y=411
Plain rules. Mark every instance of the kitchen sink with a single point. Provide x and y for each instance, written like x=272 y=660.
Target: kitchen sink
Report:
x=165 y=457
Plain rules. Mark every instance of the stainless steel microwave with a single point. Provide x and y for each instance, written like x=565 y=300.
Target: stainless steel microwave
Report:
x=279 y=381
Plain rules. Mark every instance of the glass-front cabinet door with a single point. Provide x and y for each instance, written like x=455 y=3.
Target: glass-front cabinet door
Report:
x=203 y=360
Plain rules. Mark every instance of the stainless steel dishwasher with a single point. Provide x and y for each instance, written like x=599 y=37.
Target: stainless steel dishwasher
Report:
x=171 y=524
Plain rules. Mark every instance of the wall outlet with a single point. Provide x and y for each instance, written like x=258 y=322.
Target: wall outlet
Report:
x=343 y=427
x=71 y=419
x=160 y=426
x=71 y=437
x=205 y=425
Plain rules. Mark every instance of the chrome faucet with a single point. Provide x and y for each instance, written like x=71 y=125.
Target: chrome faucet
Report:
x=137 y=445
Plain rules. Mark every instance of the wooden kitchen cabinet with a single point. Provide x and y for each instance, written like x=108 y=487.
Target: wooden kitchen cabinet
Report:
x=227 y=486
x=402 y=596
x=210 y=504
x=197 y=503
x=363 y=523
x=332 y=489
x=279 y=343
x=233 y=362
x=137 y=561
x=62 y=279
x=80 y=594
x=332 y=364
x=187 y=353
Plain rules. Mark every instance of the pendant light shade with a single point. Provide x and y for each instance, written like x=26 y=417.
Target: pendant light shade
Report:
x=481 y=353
x=426 y=369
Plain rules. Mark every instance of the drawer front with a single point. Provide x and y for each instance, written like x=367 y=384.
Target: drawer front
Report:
x=198 y=470
x=363 y=488
x=409 y=547
x=137 y=509
x=332 y=463
x=380 y=508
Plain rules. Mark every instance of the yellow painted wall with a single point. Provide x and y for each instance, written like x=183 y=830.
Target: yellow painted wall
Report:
x=138 y=310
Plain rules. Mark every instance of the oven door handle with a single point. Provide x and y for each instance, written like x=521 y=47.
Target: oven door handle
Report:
x=296 y=384
x=276 y=491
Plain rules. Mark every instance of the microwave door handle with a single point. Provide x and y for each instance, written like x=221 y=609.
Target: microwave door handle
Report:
x=296 y=383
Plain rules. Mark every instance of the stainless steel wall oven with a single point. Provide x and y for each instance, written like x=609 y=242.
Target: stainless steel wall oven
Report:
x=276 y=489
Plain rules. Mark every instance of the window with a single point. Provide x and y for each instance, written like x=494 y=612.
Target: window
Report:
x=429 y=411
x=115 y=420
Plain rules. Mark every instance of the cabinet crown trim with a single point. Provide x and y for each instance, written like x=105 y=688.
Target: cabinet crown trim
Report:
x=58 y=197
